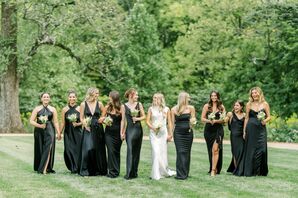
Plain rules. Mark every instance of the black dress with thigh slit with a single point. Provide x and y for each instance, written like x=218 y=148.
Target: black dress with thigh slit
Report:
x=44 y=143
x=214 y=133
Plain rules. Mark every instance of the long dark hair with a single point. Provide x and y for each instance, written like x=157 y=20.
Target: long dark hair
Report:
x=218 y=102
x=115 y=104
x=241 y=103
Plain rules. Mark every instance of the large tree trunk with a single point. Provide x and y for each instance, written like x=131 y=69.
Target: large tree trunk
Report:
x=10 y=120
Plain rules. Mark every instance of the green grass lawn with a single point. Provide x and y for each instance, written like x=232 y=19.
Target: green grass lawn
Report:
x=17 y=178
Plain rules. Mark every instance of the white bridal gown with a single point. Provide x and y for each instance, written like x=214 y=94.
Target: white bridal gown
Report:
x=159 y=145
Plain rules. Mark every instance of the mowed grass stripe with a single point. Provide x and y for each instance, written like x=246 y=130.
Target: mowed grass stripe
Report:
x=281 y=181
x=20 y=181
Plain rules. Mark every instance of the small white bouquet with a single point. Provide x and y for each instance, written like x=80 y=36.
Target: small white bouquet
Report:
x=192 y=123
x=211 y=116
x=43 y=119
x=108 y=121
x=134 y=112
x=86 y=122
x=261 y=115
x=73 y=117
x=157 y=125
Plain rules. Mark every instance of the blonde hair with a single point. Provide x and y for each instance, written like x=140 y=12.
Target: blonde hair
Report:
x=182 y=102
x=160 y=97
x=90 y=93
x=261 y=95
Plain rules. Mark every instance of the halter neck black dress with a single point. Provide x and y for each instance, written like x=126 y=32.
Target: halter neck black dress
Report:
x=113 y=142
x=93 y=151
x=237 y=141
x=214 y=133
x=183 y=138
x=72 y=140
x=255 y=149
x=44 y=143
x=134 y=137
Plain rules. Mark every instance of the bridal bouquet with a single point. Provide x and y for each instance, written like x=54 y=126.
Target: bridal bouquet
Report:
x=73 y=117
x=86 y=122
x=157 y=125
x=211 y=116
x=261 y=115
x=192 y=122
x=108 y=121
x=43 y=119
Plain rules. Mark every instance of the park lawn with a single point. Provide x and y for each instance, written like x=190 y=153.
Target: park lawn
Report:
x=17 y=179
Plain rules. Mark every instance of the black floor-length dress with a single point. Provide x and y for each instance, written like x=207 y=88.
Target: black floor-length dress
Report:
x=214 y=133
x=134 y=137
x=72 y=140
x=113 y=142
x=237 y=141
x=44 y=143
x=92 y=159
x=183 y=138
x=255 y=157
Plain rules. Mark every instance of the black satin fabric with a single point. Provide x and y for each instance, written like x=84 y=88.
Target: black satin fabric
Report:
x=183 y=138
x=255 y=160
x=92 y=159
x=237 y=141
x=113 y=142
x=72 y=141
x=134 y=137
x=214 y=133
x=44 y=143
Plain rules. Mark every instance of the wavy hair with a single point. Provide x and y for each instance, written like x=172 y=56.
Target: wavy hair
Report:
x=90 y=93
x=261 y=95
x=115 y=104
x=218 y=102
x=160 y=97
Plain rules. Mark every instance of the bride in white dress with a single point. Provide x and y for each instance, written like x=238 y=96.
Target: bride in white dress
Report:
x=159 y=122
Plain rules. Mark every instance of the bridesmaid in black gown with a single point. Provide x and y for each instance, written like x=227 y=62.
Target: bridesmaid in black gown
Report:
x=72 y=133
x=92 y=160
x=214 y=131
x=235 y=121
x=44 y=119
x=133 y=113
x=182 y=113
x=255 y=161
x=112 y=134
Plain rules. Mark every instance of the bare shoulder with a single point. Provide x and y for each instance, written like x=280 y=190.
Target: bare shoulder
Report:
x=65 y=109
x=100 y=104
x=82 y=104
x=266 y=104
x=78 y=108
x=37 y=109
x=141 y=105
x=51 y=108
x=206 y=106
x=191 y=107
x=229 y=114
